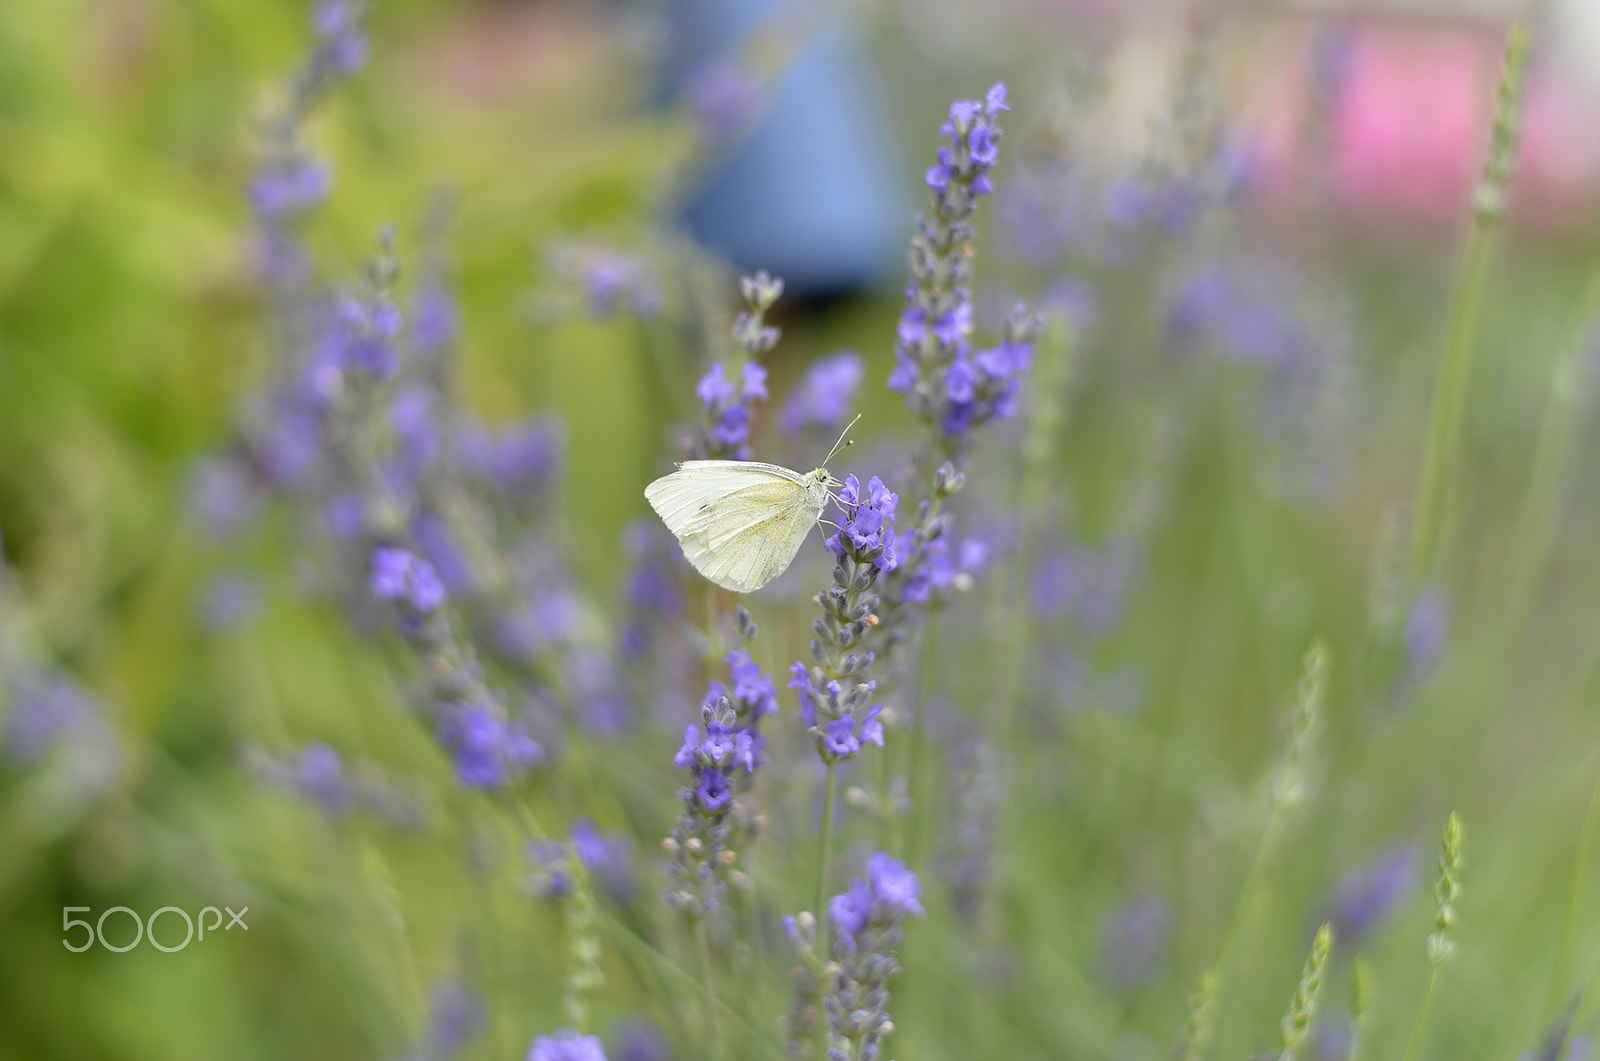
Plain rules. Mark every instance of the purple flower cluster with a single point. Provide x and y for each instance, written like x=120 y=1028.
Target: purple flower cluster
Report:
x=726 y=403
x=822 y=400
x=610 y=282
x=606 y=856
x=866 y=528
x=50 y=717
x=946 y=383
x=566 y=1045
x=865 y=926
x=361 y=337
x=720 y=756
x=927 y=575
x=1088 y=585
x=941 y=574
x=289 y=186
x=753 y=694
x=1134 y=941
x=724 y=99
x=456 y=1015
x=1266 y=317
x=489 y=750
x=1366 y=895
x=951 y=387
x=890 y=894
x=727 y=396
x=830 y=713
x=834 y=690
x=318 y=774
x=407 y=579
x=974 y=148
x=518 y=462
x=45 y=715
x=341 y=39
x=288 y=182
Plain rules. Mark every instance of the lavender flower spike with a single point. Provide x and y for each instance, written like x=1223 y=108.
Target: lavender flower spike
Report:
x=865 y=925
x=727 y=396
x=720 y=756
x=834 y=693
x=947 y=384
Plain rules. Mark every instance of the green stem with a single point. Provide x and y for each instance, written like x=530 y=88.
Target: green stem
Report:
x=915 y=768
x=1241 y=905
x=1550 y=475
x=632 y=941
x=1591 y=818
x=830 y=788
x=1422 y=1016
x=702 y=937
x=1441 y=457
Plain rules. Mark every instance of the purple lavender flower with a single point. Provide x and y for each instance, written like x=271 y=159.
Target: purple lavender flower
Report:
x=1366 y=895
x=946 y=384
x=50 y=714
x=606 y=856
x=518 y=462
x=435 y=319
x=866 y=926
x=950 y=385
x=456 y=1014
x=552 y=875
x=720 y=757
x=725 y=100
x=753 y=694
x=641 y=1041
x=290 y=445
x=1089 y=585
x=345 y=515
x=940 y=575
x=230 y=600
x=866 y=530
x=438 y=547
x=612 y=282
x=835 y=713
x=1134 y=939
x=402 y=576
x=363 y=336
x=343 y=42
x=726 y=402
x=1427 y=631
x=319 y=775
x=413 y=417
x=566 y=1045
x=488 y=750
x=728 y=416
x=822 y=400
x=223 y=495
x=287 y=187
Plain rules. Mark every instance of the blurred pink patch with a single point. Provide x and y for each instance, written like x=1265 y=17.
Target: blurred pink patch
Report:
x=1410 y=119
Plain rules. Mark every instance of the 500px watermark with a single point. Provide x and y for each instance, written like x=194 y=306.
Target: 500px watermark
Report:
x=146 y=928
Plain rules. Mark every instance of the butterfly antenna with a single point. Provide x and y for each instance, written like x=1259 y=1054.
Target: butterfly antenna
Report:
x=837 y=445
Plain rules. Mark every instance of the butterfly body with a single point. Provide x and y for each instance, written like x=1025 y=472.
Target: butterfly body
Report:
x=740 y=522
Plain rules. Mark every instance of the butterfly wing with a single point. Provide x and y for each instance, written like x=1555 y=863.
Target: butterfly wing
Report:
x=740 y=522
x=685 y=495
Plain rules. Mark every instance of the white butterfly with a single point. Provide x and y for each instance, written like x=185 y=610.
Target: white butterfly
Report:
x=741 y=522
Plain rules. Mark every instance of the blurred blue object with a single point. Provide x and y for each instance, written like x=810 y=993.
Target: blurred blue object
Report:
x=812 y=191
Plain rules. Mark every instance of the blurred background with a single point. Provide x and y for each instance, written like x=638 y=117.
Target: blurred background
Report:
x=1243 y=226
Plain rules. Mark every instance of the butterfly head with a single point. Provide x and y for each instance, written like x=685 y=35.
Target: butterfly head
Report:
x=819 y=486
